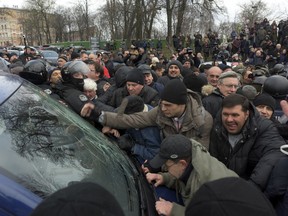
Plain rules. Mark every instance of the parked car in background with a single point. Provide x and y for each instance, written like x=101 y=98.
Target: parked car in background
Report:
x=50 y=56
x=21 y=48
x=98 y=52
x=46 y=147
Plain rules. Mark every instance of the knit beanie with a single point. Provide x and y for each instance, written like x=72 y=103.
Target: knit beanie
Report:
x=229 y=197
x=265 y=99
x=63 y=57
x=136 y=76
x=194 y=83
x=84 y=198
x=175 y=92
x=135 y=104
x=175 y=62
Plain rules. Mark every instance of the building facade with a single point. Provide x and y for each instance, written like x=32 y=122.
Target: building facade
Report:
x=11 y=29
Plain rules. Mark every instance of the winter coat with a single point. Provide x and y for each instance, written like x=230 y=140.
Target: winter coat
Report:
x=166 y=78
x=149 y=95
x=197 y=121
x=205 y=169
x=147 y=142
x=254 y=156
x=213 y=102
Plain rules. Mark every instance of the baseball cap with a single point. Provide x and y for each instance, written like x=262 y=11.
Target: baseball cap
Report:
x=145 y=69
x=173 y=147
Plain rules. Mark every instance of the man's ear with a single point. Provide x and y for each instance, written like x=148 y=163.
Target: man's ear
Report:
x=247 y=115
x=183 y=163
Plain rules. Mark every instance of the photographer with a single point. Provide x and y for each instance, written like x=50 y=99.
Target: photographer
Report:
x=184 y=54
x=223 y=54
x=198 y=43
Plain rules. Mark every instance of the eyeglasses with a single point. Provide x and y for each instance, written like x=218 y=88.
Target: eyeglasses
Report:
x=166 y=167
x=231 y=86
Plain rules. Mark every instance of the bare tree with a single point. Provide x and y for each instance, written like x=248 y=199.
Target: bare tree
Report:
x=150 y=11
x=59 y=23
x=44 y=8
x=253 y=12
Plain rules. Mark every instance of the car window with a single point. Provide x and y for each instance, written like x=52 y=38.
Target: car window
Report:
x=46 y=147
x=50 y=54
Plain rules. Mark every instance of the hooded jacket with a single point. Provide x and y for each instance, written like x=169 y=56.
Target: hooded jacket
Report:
x=253 y=156
x=197 y=121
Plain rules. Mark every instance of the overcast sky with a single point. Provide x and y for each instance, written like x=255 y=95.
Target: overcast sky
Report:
x=231 y=5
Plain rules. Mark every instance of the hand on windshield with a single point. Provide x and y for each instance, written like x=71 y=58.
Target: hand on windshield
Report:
x=163 y=207
x=155 y=179
x=108 y=130
x=87 y=109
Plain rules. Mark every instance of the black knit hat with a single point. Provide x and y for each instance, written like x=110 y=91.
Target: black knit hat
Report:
x=135 y=75
x=229 y=197
x=265 y=99
x=194 y=83
x=135 y=104
x=80 y=199
x=175 y=62
x=175 y=92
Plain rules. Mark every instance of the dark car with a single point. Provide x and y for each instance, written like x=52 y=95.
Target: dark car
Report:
x=50 y=56
x=46 y=147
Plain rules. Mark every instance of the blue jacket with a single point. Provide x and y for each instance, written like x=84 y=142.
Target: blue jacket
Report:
x=147 y=142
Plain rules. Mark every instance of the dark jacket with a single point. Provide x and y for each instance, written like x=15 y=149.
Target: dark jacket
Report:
x=254 y=156
x=157 y=86
x=149 y=95
x=213 y=102
x=166 y=78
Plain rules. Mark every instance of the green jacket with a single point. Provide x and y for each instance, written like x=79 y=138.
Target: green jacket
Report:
x=205 y=168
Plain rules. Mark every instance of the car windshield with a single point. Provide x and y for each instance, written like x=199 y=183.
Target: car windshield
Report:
x=45 y=147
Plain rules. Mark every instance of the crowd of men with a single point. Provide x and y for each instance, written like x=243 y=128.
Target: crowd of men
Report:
x=189 y=124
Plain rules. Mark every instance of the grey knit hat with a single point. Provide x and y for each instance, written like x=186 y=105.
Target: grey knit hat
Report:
x=175 y=62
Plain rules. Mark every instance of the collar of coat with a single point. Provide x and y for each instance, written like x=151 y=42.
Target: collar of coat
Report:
x=194 y=114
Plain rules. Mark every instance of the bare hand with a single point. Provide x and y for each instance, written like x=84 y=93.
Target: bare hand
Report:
x=145 y=169
x=108 y=130
x=153 y=177
x=284 y=106
x=87 y=109
x=163 y=207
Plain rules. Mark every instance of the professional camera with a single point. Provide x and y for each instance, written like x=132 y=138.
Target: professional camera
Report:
x=189 y=51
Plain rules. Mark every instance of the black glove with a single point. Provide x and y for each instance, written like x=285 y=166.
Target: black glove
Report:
x=125 y=142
